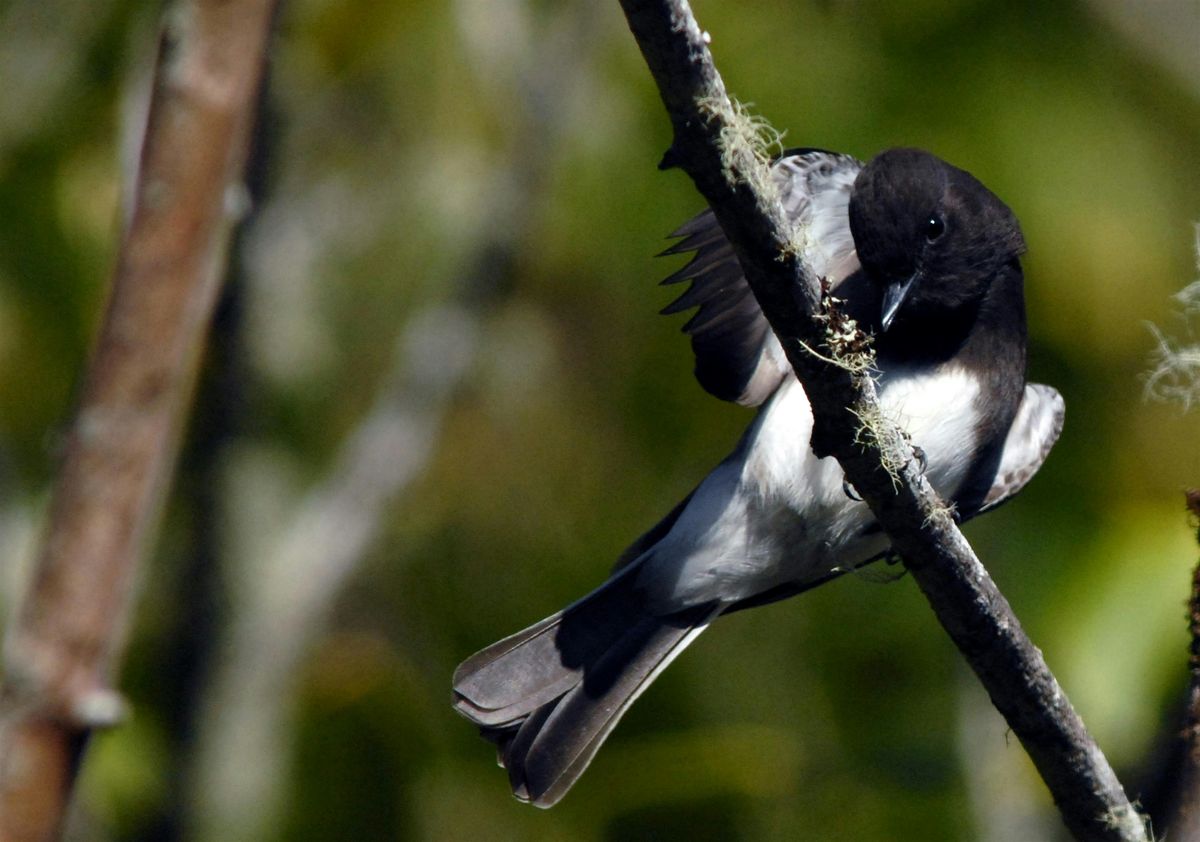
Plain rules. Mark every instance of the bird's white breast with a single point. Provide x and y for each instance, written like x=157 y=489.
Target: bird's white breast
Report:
x=773 y=512
x=940 y=412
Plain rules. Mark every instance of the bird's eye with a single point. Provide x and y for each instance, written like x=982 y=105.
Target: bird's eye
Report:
x=934 y=227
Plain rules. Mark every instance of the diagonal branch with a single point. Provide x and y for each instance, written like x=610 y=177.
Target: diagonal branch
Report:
x=285 y=600
x=711 y=145
x=67 y=637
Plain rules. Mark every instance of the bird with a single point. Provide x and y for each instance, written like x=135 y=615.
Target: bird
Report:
x=926 y=260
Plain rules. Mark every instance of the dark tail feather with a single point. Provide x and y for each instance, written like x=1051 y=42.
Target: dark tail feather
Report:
x=502 y=684
x=550 y=695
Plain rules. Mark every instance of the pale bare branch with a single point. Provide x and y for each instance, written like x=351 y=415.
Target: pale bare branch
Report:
x=68 y=633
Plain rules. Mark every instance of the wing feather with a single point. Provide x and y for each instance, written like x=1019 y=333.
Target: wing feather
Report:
x=1033 y=432
x=737 y=355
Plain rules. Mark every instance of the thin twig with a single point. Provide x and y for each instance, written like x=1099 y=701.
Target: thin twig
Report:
x=966 y=601
x=68 y=633
x=242 y=756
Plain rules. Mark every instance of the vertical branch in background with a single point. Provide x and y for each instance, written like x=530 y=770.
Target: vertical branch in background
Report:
x=186 y=644
x=1171 y=791
x=64 y=646
x=1185 y=823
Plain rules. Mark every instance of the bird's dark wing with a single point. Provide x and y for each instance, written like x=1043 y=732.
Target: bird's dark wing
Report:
x=1034 y=431
x=737 y=356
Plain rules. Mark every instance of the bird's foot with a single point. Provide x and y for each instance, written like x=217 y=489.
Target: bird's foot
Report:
x=850 y=491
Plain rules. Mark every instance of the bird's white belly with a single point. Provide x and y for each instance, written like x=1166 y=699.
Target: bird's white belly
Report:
x=773 y=512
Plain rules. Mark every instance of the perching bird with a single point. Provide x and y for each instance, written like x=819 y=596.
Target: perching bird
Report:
x=927 y=259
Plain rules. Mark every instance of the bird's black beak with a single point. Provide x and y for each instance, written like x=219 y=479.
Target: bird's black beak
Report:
x=893 y=297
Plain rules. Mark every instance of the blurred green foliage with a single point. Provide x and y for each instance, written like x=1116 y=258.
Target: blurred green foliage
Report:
x=391 y=130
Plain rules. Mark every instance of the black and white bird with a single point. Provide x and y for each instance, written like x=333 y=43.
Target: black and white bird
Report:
x=927 y=259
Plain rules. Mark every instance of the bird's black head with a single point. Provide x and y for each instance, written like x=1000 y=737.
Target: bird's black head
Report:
x=929 y=235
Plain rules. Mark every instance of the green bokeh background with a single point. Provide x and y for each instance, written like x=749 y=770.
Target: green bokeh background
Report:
x=394 y=136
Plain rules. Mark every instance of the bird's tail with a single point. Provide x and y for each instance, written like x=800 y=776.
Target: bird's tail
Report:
x=550 y=695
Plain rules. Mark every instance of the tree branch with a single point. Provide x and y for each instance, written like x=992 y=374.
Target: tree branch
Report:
x=67 y=637
x=711 y=145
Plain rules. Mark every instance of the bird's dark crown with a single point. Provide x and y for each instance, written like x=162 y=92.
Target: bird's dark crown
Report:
x=913 y=215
